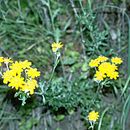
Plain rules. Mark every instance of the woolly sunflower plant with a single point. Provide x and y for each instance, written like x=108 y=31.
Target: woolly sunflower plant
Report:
x=105 y=68
x=20 y=76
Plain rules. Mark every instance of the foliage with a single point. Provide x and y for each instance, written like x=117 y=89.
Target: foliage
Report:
x=68 y=94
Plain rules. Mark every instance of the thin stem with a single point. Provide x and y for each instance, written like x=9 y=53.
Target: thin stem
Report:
x=90 y=5
x=123 y=117
x=55 y=65
x=74 y=8
x=81 y=5
x=20 y=10
x=125 y=87
x=7 y=66
x=100 y=122
x=1 y=73
x=51 y=16
x=62 y=67
x=93 y=126
x=82 y=42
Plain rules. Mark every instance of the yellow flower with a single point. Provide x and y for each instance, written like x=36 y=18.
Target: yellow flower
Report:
x=94 y=63
x=56 y=45
x=29 y=86
x=8 y=75
x=1 y=60
x=100 y=76
x=93 y=116
x=113 y=74
x=16 y=82
x=102 y=58
x=116 y=60
x=7 y=60
x=105 y=67
x=108 y=69
x=17 y=67
x=32 y=72
x=25 y=64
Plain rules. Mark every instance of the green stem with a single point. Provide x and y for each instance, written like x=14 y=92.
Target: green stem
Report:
x=20 y=10
x=55 y=65
x=129 y=48
x=93 y=126
x=74 y=8
x=90 y=5
x=51 y=16
x=100 y=122
x=124 y=112
x=81 y=5
x=126 y=85
x=7 y=66
x=62 y=67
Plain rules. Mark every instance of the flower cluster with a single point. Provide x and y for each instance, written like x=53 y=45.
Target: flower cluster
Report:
x=20 y=75
x=56 y=46
x=93 y=116
x=105 y=68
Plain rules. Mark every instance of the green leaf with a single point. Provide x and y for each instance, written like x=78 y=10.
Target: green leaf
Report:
x=59 y=117
x=84 y=67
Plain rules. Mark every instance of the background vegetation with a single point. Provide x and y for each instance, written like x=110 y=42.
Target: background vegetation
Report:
x=87 y=29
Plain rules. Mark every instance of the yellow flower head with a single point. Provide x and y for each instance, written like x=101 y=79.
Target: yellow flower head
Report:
x=116 y=60
x=56 y=46
x=8 y=75
x=17 y=67
x=1 y=59
x=29 y=86
x=94 y=63
x=103 y=67
x=32 y=72
x=99 y=75
x=97 y=61
x=106 y=67
x=16 y=82
x=113 y=74
x=102 y=58
x=93 y=116
x=25 y=64
x=7 y=60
